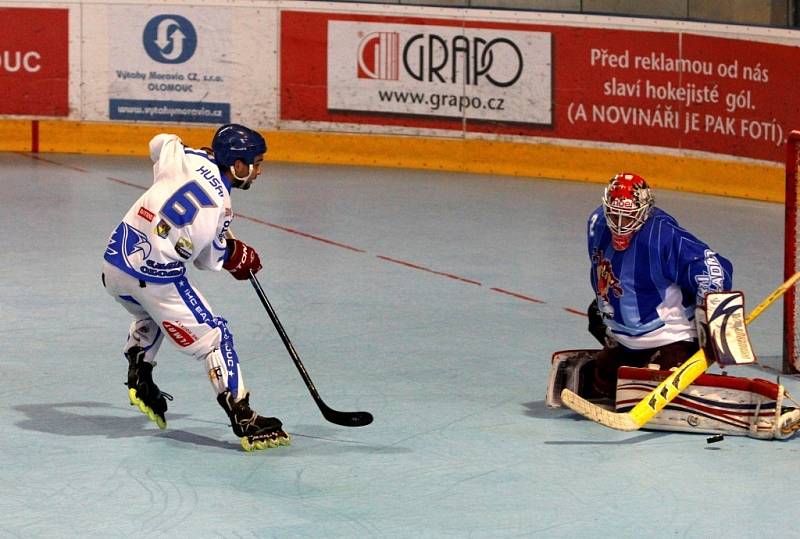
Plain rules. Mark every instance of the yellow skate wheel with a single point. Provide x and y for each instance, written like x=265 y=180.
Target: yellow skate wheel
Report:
x=146 y=410
x=162 y=424
x=246 y=445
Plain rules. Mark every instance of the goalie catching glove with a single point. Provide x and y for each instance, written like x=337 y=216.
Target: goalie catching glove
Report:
x=241 y=259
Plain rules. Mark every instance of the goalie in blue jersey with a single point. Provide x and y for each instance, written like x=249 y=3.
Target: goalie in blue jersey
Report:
x=660 y=294
x=650 y=277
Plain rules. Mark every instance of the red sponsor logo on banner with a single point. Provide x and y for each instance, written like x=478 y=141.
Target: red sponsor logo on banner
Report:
x=180 y=335
x=34 y=61
x=379 y=56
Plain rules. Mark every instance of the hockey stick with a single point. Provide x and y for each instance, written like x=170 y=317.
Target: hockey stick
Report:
x=666 y=391
x=346 y=419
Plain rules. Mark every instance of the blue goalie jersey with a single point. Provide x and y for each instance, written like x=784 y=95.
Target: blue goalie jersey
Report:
x=648 y=292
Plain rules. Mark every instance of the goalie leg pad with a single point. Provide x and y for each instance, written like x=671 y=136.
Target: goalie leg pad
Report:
x=788 y=424
x=565 y=372
x=713 y=404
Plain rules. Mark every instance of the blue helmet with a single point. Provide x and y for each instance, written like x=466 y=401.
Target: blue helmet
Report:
x=234 y=141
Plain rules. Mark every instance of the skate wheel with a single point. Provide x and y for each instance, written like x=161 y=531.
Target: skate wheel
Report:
x=246 y=445
x=257 y=445
x=146 y=410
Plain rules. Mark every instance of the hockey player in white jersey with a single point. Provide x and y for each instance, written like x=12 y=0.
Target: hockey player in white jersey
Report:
x=184 y=218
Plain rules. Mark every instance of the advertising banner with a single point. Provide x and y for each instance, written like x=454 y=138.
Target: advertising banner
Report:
x=452 y=72
x=727 y=96
x=34 y=61
x=169 y=64
x=668 y=89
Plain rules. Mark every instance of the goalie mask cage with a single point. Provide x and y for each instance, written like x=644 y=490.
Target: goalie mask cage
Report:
x=791 y=264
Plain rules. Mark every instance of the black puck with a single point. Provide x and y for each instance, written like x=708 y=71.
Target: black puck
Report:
x=714 y=439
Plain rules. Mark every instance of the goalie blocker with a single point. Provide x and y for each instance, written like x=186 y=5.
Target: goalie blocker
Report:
x=713 y=404
x=729 y=342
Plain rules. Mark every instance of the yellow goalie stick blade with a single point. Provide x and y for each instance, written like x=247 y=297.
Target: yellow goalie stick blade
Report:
x=648 y=407
x=666 y=391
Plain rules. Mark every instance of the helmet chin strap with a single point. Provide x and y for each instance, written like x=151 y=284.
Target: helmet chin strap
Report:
x=244 y=183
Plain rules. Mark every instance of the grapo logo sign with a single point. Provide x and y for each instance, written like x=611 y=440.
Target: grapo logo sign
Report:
x=429 y=57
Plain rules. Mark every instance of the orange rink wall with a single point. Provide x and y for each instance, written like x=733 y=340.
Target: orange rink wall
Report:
x=734 y=178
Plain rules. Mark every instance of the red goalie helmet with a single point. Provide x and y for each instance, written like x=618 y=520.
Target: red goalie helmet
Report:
x=626 y=203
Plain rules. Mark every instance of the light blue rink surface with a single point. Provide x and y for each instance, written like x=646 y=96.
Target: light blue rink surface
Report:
x=396 y=289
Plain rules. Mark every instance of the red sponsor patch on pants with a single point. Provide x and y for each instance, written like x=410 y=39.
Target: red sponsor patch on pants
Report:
x=180 y=335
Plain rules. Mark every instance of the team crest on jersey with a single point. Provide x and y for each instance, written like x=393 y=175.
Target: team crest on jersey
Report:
x=134 y=241
x=607 y=282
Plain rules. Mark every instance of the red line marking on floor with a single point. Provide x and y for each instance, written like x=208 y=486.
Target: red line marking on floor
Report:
x=357 y=250
x=575 y=311
x=35 y=136
x=40 y=158
x=299 y=233
x=516 y=295
x=422 y=268
x=123 y=182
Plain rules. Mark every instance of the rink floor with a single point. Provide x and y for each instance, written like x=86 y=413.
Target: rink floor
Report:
x=432 y=300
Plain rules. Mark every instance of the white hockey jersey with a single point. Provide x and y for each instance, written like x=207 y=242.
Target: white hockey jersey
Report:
x=182 y=217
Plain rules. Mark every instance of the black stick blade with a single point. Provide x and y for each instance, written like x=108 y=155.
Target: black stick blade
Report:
x=347 y=419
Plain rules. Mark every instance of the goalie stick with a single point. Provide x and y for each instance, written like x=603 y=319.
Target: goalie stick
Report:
x=666 y=391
